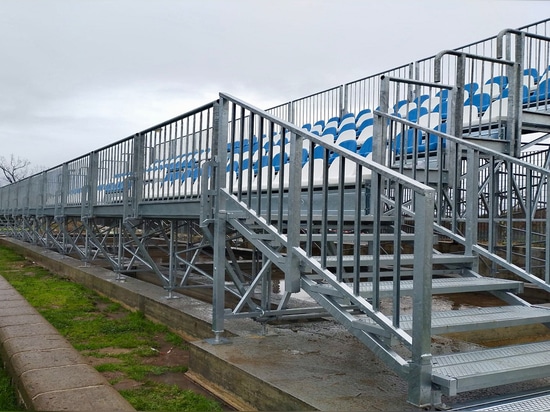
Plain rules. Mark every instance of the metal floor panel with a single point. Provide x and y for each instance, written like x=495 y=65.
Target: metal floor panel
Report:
x=491 y=367
x=448 y=285
x=530 y=401
x=478 y=319
x=405 y=259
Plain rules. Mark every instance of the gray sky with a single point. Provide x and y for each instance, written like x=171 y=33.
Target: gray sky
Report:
x=76 y=75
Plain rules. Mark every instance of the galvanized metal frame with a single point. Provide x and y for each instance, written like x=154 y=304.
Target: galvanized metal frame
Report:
x=181 y=175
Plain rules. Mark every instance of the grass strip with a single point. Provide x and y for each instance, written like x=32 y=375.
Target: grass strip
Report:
x=122 y=341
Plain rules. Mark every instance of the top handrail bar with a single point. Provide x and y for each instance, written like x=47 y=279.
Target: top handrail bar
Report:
x=305 y=97
x=534 y=24
x=179 y=117
x=439 y=56
x=502 y=33
x=403 y=66
x=416 y=82
x=488 y=38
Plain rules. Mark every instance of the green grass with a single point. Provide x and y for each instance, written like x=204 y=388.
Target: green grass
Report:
x=8 y=399
x=93 y=323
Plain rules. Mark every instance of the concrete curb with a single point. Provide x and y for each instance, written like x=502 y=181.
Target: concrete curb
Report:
x=48 y=373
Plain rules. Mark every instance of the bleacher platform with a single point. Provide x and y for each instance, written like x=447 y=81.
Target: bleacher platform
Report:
x=351 y=195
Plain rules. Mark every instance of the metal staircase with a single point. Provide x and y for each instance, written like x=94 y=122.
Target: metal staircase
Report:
x=373 y=263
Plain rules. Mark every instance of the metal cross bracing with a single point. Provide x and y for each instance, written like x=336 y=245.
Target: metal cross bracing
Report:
x=237 y=199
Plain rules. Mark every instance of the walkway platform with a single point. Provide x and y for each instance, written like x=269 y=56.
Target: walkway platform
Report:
x=294 y=366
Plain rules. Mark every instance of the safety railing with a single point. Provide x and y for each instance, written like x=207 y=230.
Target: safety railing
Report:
x=174 y=154
x=321 y=106
x=321 y=209
x=497 y=196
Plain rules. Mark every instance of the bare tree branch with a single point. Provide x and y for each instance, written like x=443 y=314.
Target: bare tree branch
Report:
x=14 y=168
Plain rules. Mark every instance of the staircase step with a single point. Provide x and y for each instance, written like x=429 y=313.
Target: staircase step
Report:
x=483 y=318
x=475 y=319
x=447 y=285
x=405 y=259
x=461 y=372
x=350 y=237
x=533 y=400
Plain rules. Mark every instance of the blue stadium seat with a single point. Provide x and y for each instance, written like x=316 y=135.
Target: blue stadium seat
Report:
x=433 y=139
x=421 y=99
x=525 y=94
x=502 y=81
x=348 y=120
x=277 y=161
x=541 y=93
x=415 y=113
x=362 y=116
x=365 y=123
x=408 y=138
x=481 y=100
x=332 y=122
x=329 y=133
x=366 y=147
x=348 y=132
x=471 y=88
x=318 y=127
x=351 y=145
x=530 y=77
x=443 y=94
x=442 y=109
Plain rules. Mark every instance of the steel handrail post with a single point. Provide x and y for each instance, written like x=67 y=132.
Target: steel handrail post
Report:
x=220 y=134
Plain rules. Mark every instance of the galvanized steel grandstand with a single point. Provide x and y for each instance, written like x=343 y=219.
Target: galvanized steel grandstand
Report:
x=348 y=195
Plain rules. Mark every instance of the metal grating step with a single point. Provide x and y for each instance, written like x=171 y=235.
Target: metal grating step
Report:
x=405 y=259
x=475 y=319
x=351 y=237
x=538 y=400
x=447 y=285
x=486 y=368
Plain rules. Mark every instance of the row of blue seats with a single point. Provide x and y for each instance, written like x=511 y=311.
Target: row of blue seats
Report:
x=354 y=132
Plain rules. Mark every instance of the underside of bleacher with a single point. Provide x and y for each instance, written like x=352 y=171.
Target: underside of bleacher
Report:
x=352 y=195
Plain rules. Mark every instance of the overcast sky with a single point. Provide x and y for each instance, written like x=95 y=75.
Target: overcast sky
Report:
x=76 y=75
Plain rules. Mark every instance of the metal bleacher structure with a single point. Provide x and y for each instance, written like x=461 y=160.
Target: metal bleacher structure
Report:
x=348 y=195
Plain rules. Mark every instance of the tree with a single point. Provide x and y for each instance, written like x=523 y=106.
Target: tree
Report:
x=14 y=168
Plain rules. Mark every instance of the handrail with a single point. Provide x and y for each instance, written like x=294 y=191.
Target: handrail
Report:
x=439 y=56
x=415 y=185
x=501 y=34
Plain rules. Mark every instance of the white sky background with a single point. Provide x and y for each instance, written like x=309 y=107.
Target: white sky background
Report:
x=76 y=75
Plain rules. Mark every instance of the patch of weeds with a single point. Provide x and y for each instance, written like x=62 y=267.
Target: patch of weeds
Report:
x=151 y=396
x=8 y=398
x=174 y=339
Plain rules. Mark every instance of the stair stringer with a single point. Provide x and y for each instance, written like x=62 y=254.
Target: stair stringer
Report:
x=343 y=308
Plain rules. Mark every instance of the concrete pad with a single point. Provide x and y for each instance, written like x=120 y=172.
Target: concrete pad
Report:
x=97 y=399
x=317 y=368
